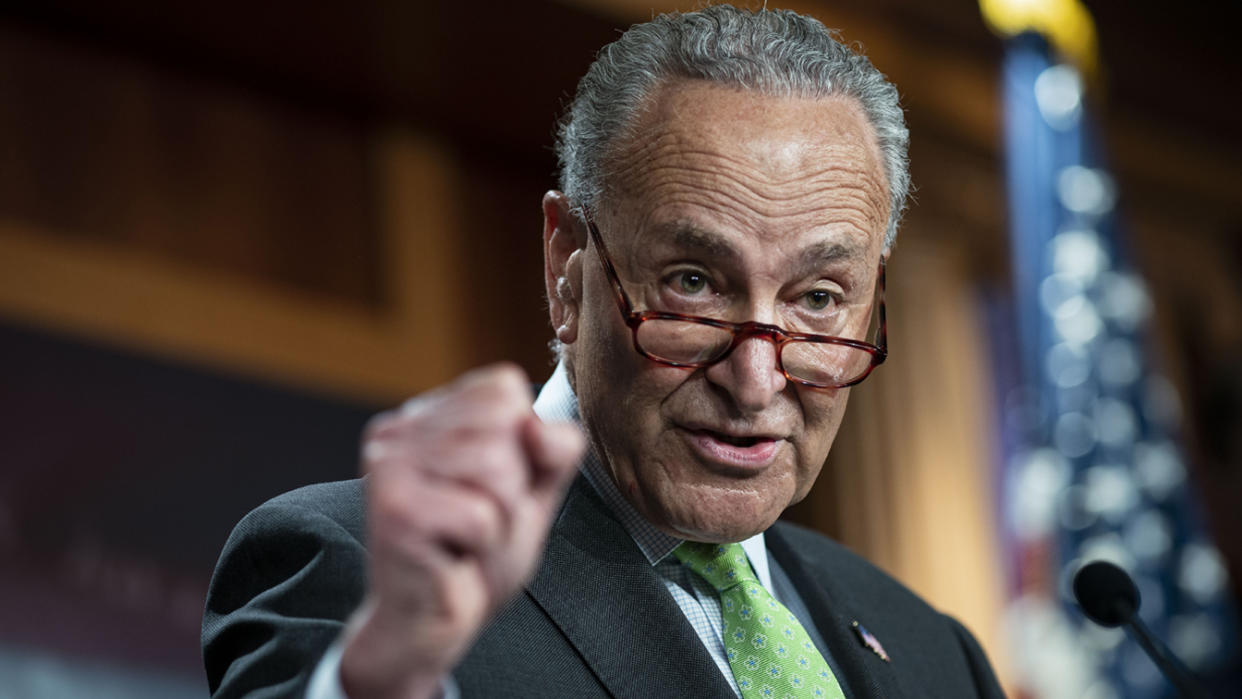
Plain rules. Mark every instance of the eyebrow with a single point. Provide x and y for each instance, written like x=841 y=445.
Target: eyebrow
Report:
x=825 y=252
x=690 y=237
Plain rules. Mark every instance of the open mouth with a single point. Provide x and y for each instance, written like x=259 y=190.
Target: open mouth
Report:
x=749 y=452
x=735 y=441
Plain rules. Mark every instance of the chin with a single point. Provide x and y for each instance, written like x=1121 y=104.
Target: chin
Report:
x=714 y=515
x=719 y=532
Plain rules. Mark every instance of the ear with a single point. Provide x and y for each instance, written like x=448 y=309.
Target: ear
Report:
x=563 y=242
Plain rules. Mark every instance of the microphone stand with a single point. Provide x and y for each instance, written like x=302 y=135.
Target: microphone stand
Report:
x=1169 y=665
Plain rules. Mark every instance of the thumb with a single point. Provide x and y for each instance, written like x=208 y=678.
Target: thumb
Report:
x=554 y=450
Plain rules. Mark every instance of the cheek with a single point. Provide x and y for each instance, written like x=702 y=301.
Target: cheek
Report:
x=608 y=373
x=823 y=418
x=600 y=337
x=621 y=397
x=603 y=334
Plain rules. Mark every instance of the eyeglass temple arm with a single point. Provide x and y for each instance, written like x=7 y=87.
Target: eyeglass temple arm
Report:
x=882 y=340
x=623 y=299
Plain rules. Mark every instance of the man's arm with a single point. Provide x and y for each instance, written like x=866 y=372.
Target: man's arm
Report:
x=462 y=485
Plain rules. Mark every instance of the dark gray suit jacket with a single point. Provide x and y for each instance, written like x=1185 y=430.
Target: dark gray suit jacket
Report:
x=596 y=620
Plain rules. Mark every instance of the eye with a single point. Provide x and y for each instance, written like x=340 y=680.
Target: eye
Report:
x=818 y=299
x=691 y=282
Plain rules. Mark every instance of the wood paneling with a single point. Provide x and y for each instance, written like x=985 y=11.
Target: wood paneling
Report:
x=107 y=149
x=136 y=298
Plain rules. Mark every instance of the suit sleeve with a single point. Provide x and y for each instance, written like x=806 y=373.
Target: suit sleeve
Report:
x=287 y=580
x=985 y=682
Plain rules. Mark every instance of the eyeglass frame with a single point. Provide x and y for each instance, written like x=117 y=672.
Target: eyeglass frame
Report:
x=741 y=331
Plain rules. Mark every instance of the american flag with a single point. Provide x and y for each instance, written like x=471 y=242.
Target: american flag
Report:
x=870 y=641
x=1092 y=466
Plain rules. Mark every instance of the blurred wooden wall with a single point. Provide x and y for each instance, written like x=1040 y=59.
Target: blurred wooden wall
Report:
x=279 y=213
x=344 y=198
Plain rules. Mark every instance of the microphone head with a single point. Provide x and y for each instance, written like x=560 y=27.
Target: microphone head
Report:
x=1106 y=593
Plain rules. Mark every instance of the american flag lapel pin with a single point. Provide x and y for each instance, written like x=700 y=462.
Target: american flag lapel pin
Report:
x=868 y=640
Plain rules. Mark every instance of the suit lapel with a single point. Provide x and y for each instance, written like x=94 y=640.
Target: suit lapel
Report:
x=834 y=610
x=599 y=589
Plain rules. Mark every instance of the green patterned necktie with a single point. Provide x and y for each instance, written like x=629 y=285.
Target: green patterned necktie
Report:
x=771 y=655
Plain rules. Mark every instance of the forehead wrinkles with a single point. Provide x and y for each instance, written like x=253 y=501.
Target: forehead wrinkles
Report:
x=687 y=158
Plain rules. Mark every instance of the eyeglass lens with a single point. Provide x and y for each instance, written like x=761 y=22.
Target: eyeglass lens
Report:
x=691 y=343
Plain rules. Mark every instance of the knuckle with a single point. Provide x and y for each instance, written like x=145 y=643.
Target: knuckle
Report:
x=413 y=406
x=384 y=457
x=391 y=510
x=480 y=519
x=378 y=424
x=497 y=458
x=511 y=376
x=373 y=453
x=503 y=380
x=385 y=507
x=475 y=432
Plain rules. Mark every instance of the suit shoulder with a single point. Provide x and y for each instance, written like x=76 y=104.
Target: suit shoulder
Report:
x=850 y=570
x=340 y=502
x=296 y=531
x=323 y=497
x=289 y=532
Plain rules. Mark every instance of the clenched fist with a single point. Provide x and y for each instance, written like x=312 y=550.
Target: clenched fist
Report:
x=462 y=485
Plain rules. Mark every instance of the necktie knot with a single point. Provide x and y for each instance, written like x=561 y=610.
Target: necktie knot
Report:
x=723 y=565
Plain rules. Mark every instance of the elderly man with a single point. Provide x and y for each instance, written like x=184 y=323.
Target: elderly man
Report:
x=731 y=185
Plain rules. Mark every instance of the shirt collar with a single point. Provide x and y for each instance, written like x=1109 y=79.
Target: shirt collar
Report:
x=557 y=403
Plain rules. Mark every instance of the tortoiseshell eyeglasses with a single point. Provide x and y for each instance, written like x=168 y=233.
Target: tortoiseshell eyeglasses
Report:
x=675 y=339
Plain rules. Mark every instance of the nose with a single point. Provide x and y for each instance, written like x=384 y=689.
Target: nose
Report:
x=750 y=374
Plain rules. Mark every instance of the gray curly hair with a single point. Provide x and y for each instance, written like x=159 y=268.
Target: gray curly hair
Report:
x=772 y=52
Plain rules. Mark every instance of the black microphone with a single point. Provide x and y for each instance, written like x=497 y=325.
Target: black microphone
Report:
x=1108 y=597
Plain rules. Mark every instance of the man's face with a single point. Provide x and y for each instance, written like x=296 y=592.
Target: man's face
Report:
x=742 y=207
